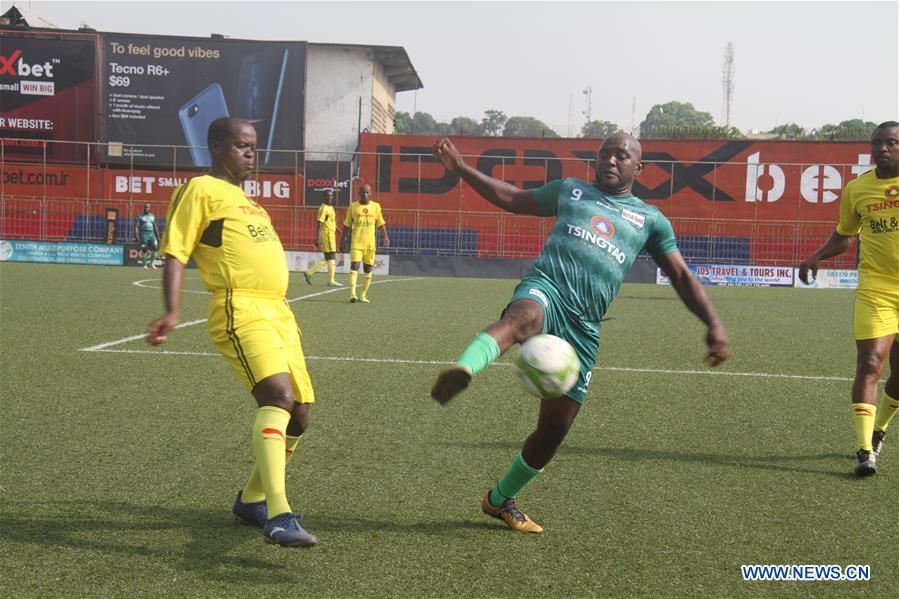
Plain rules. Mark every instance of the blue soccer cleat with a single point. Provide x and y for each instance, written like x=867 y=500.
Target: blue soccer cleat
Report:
x=284 y=530
x=254 y=514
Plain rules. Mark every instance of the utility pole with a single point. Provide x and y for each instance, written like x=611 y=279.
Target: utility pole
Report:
x=727 y=83
x=588 y=92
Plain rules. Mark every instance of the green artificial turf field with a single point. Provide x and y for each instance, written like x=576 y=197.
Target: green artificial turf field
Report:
x=120 y=464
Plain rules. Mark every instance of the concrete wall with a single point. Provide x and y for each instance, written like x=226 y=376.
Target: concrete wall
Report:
x=384 y=102
x=335 y=80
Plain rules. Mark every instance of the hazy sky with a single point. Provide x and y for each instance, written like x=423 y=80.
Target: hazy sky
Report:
x=805 y=62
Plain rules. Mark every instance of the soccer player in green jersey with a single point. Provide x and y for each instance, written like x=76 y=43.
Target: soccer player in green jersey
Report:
x=147 y=235
x=599 y=230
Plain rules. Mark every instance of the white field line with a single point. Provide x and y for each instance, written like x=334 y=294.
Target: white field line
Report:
x=768 y=375
x=103 y=346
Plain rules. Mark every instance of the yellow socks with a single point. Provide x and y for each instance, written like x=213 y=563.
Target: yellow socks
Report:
x=885 y=412
x=332 y=268
x=863 y=421
x=366 y=283
x=254 y=492
x=354 y=274
x=290 y=446
x=270 y=443
x=316 y=266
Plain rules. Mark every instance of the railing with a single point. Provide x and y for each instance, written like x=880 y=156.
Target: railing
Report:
x=47 y=201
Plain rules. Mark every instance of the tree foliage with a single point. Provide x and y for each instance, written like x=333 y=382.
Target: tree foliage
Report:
x=599 y=129
x=527 y=126
x=851 y=130
x=673 y=120
x=789 y=132
x=493 y=121
x=462 y=125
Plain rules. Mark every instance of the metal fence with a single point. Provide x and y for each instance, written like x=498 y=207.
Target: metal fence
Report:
x=34 y=204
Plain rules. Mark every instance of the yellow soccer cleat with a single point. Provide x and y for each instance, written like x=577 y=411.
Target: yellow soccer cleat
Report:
x=450 y=382
x=364 y=299
x=510 y=514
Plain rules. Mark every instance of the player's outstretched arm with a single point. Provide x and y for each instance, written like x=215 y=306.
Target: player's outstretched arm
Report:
x=497 y=192
x=694 y=297
x=172 y=282
x=835 y=245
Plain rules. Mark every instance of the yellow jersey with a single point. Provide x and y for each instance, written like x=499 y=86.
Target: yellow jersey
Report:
x=869 y=208
x=363 y=218
x=230 y=236
x=328 y=219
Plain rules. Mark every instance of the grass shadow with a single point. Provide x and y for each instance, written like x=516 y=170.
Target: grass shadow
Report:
x=106 y=527
x=769 y=462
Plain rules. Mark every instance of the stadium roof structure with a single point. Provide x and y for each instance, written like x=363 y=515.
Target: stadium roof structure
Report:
x=22 y=17
x=396 y=63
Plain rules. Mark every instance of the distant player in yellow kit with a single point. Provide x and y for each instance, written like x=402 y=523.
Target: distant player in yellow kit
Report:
x=326 y=230
x=362 y=218
x=242 y=262
x=869 y=208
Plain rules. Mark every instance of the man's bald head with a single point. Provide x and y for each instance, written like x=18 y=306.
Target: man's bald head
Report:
x=618 y=161
x=622 y=138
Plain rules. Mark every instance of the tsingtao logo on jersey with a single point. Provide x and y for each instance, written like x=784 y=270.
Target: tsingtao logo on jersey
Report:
x=599 y=239
x=603 y=227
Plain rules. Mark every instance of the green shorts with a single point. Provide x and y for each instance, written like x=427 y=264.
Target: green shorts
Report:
x=561 y=322
x=148 y=240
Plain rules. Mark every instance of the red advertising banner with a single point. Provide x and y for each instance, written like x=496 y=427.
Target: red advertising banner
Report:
x=47 y=93
x=50 y=181
x=736 y=179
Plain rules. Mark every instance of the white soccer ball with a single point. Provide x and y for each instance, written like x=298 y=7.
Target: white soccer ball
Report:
x=546 y=366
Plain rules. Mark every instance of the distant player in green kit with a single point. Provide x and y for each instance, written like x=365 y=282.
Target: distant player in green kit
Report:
x=599 y=230
x=147 y=235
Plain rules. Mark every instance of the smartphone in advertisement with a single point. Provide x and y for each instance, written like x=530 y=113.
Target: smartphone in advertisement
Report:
x=259 y=95
x=196 y=115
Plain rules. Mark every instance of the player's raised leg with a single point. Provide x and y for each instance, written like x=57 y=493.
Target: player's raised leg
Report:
x=522 y=320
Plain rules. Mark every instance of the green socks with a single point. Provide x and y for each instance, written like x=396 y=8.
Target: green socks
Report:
x=479 y=353
x=517 y=476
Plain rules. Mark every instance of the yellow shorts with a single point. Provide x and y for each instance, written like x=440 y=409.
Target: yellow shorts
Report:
x=259 y=337
x=876 y=312
x=326 y=242
x=366 y=256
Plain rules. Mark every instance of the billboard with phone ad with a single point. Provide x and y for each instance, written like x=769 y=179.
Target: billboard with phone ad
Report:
x=47 y=93
x=165 y=91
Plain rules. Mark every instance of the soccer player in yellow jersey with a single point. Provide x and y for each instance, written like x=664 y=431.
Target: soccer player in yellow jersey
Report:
x=869 y=208
x=362 y=218
x=242 y=263
x=326 y=229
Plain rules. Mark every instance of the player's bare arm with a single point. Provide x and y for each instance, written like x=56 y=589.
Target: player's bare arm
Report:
x=386 y=239
x=694 y=297
x=496 y=191
x=172 y=282
x=345 y=239
x=835 y=245
x=318 y=230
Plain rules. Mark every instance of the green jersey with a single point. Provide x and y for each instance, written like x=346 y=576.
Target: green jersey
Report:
x=146 y=222
x=594 y=242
